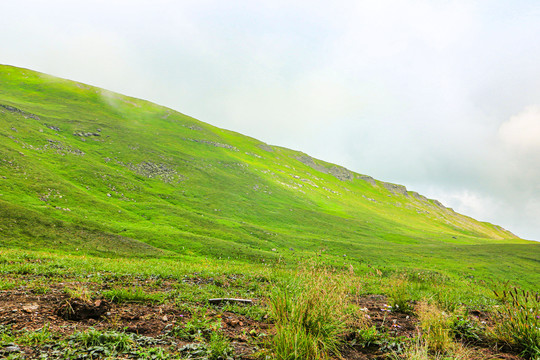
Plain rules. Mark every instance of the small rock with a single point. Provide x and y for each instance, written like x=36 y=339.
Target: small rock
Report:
x=30 y=308
x=12 y=349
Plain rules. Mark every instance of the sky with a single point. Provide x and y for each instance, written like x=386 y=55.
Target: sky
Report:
x=440 y=96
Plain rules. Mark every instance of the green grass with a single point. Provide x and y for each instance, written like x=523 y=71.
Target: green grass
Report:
x=136 y=295
x=40 y=336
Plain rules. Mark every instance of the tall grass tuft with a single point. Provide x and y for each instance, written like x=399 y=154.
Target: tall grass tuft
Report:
x=400 y=297
x=436 y=328
x=309 y=316
x=518 y=321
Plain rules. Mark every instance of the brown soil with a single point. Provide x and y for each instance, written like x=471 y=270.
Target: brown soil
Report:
x=23 y=309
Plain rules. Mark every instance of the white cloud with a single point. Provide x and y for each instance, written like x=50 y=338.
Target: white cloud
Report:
x=476 y=205
x=522 y=131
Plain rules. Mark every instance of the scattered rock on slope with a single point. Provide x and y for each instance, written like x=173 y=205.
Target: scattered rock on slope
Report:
x=339 y=172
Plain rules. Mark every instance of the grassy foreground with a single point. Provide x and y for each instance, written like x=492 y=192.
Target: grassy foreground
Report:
x=73 y=306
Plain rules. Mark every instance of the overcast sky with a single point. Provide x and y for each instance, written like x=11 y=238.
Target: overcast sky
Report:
x=440 y=96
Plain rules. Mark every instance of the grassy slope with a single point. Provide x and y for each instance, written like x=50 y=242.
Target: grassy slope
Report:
x=156 y=182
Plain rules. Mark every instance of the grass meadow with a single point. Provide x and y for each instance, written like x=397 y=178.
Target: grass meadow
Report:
x=120 y=219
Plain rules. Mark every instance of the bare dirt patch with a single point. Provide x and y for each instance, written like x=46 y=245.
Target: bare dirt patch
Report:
x=24 y=308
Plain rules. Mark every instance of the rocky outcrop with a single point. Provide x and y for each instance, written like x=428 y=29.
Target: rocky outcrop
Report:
x=194 y=127
x=152 y=170
x=266 y=147
x=418 y=196
x=339 y=172
x=62 y=148
x=214 y=143
x=13 y=109
x=395 y=188
x=52 y=127
x=86 y=134
x=368 y=179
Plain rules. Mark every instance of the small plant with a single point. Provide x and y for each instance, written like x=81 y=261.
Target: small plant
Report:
x=110 y=340
x=6 y=335
x=416 y=350
x=219 y=347
x=365 y=337
x=79 y=292
x=41 y=336
x=7 y=285
x=134 y=295
x=466 y=329
x=419 y=349
x=40 y=290
x=199 y=327
x=518 y=321
x=152 y=353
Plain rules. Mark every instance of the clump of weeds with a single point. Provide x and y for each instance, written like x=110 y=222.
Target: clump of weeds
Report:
x=198 y=328
x=518 y=321
x=133 y=295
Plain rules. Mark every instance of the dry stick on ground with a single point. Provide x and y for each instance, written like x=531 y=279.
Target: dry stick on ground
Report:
x=222 y=300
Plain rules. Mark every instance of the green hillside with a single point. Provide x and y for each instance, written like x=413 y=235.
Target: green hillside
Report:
x=86 y=170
